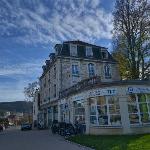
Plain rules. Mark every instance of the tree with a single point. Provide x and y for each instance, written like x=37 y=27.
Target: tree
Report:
x=30 y=90
x=131 y=28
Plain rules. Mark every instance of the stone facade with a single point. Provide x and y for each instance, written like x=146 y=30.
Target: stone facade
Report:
x=81 y=83
x=36 y=104
x=58 y=76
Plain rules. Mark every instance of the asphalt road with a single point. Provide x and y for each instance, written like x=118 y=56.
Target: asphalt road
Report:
x=14 y=139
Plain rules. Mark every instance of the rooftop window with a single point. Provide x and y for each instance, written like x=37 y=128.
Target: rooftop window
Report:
x=73 y=50
x=104 y=54
x=89 y=52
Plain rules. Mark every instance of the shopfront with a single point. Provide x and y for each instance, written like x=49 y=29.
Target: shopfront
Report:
x=52 y=112
x=120 y=109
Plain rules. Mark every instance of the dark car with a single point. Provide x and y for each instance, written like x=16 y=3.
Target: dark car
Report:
x=1 y=128
x=26 y=126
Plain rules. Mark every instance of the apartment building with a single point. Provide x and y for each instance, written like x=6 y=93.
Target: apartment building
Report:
x=81 y=83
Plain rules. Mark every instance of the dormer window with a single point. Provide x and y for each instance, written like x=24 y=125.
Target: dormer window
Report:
x=104 y=55
x=89 y=52
x=73 y=50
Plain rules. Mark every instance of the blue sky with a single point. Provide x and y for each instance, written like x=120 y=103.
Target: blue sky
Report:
x=30 y=28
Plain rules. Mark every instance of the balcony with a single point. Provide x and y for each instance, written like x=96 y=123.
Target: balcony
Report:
x=80 y=86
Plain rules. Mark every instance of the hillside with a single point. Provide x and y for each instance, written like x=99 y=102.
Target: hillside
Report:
x=18 y=106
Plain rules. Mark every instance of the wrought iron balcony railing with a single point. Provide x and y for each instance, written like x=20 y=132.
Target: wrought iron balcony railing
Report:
x=80 y=85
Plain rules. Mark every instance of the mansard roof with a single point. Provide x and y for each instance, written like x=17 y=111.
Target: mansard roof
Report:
x=64 y=50
x=78 y=42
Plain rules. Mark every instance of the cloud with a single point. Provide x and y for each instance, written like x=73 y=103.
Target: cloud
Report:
x=12 y=92
x=15 y=77
x=45 y=22
x=20 y=69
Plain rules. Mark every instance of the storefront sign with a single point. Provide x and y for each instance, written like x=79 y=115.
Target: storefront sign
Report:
x=78 y=97
x=138 y=90
x=102 y=92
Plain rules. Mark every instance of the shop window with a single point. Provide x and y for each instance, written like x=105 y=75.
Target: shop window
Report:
x=93 y=119
x=55 y=113
x=139 y=108
x=93 y=111
x=73 y=50
x=102 y=115
x=114 y=110
x=79 y=112
x=105 y=111
x=107 y=71
x=91 y=70
x=75 y=70
x=101 y=100
x=89 y=52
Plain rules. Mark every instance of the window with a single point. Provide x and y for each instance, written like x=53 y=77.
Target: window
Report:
x=89 y=52
x=93 y=111
x=75 y=70
x=79 y=112
x=55 y=72
x=107 y=71
x=114 y=111
x=91 y=70
x=73 y=50
x=54 y=90
x=45 y=82
x=104 y=55
x=139 y=108
x=102 y=111
x=55 y=111
x=105 y=111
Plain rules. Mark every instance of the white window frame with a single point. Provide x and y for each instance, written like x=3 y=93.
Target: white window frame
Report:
x=89 y=52
x=108 y=76
x=138 y=109
x=81 y=107
x=75 y=67
x=73 y=51
x=107 y=104
x=90 y=65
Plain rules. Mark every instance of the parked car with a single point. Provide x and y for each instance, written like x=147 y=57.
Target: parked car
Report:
x=1 y=128
x=26 y=126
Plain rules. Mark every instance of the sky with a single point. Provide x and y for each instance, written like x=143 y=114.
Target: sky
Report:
x=29 y=29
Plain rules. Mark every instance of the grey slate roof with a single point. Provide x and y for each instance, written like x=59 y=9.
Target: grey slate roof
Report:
x=64 y=50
